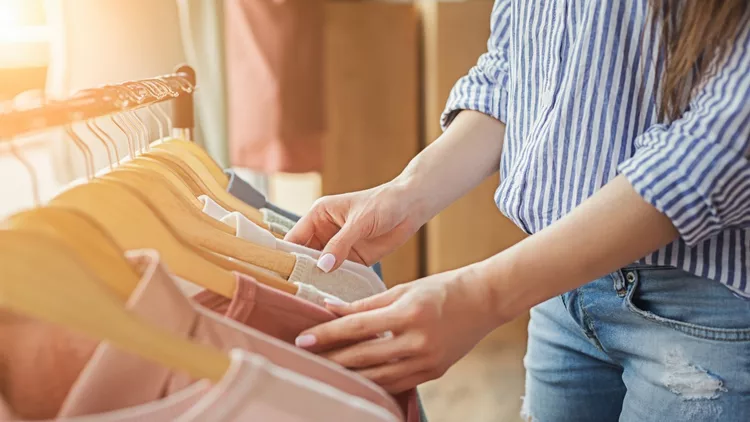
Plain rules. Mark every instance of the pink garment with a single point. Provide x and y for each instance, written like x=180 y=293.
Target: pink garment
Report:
x=285 y=316
x=39 y=362
x=117 y=386
x=266 y=309
x=253 y=389
x=160 y=301
x=274 y=51
x=43 y=367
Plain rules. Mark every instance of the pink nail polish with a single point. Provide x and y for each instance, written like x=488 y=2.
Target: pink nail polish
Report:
x=334 y=301
x=306 y=340
x=326 y=262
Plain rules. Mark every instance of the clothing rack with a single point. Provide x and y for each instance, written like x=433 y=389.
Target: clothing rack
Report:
x=109 y=99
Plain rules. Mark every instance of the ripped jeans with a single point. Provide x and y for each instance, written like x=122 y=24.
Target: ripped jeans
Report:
x=640 y=344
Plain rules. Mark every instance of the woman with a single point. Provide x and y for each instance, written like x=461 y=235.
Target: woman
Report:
x=621 y=130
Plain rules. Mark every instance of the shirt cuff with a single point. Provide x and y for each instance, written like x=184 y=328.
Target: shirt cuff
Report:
x=491 y=100
x=679 y=191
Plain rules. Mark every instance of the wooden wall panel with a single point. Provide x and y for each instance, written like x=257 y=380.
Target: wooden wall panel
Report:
x=455 y=35
x=372 y=88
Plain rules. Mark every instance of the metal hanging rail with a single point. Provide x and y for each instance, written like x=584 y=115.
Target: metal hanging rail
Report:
x=109 y=99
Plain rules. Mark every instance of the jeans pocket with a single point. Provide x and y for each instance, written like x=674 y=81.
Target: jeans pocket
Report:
x=689 y=304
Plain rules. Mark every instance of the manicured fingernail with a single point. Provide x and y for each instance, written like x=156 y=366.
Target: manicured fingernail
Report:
x=326 y=262
x=334 y=301
x=306 y=340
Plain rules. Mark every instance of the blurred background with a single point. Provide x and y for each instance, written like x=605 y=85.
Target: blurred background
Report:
x=303 y=98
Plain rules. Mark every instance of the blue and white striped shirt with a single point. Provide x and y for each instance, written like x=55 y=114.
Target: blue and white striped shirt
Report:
x=578 y=84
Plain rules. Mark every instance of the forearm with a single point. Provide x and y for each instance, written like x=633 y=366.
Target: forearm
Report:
x=613 y=228
x=461 y=158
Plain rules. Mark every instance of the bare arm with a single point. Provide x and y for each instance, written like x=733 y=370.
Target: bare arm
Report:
x=438 y=319
x=613 y=228
x=460 y=159
x=367 y=225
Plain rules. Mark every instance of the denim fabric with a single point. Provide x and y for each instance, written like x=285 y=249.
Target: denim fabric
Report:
x=641 y=344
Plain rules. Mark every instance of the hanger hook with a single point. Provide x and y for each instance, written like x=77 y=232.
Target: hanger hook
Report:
x=166 y=87
x=144 y=128
x=185 y=84
x=109 y=139
x=126 y=123
x=168 y=91
x=32 y=173
x=158 y=94
x=160 y=109
x=88 y=156
x=162 y=90
x=127 y=117
x=101 y=139
x=158 y=122
x=121 y=124
x=136 y=89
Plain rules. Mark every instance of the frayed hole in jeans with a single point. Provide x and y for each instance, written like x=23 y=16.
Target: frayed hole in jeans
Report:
x=689 y=381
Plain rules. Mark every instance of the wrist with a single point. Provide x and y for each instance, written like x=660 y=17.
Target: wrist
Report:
x=414 y=192
x=484 y=295
x=504 y=292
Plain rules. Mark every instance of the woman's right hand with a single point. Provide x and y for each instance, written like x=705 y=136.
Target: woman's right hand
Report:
x=360 y=226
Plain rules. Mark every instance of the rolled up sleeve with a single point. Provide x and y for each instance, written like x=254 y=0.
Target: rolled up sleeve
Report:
x=696 y=170
x=484 y=87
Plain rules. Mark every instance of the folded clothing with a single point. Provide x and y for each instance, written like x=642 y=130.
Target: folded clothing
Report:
x=341 y=283
x=246 y=193
x=284 y=317
x=246 y=229
x=271 y=218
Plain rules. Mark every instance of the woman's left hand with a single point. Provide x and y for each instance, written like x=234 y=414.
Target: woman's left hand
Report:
x=429 y=324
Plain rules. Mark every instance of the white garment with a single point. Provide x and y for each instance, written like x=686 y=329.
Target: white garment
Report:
x=271 y=217
x=314 y=295
x=254 y=389
x=341 y=283
x=248 y=230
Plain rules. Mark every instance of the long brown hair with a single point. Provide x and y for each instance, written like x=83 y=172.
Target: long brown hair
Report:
x=695 y=33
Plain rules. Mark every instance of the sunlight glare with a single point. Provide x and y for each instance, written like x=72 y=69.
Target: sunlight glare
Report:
x=10 y=17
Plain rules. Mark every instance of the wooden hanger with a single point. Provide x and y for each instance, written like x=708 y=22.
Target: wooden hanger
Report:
x=193 y=169
x=181 y=147
x=193 y=224
x=158 y=188
x=65 y=292
x=86 y=239
x=176 y=173
x=261 y=275
x=199 y=229
x=133 y=225
x=178 y=185
x=179 y=168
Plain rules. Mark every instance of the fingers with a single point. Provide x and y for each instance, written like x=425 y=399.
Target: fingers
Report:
x=349 y=329
x=377 y=301
x=373 y=352
x=303 y=231
x=339 y=247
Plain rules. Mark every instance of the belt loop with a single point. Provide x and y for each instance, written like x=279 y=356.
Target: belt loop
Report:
x=620 y=280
